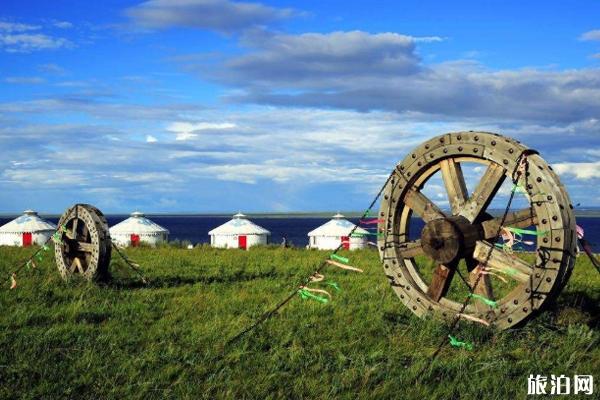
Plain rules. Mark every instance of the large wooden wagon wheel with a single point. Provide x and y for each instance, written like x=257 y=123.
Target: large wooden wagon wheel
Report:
x=457 y=245
x=85 y=245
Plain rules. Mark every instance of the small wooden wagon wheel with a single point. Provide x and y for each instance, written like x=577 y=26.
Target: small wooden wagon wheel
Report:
x=459 y=245
x=85 y=245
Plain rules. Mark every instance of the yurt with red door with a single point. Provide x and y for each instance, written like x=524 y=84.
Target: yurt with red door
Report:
x=239 y=233
x=336 y=231
x=138 y=229
x=26 y=230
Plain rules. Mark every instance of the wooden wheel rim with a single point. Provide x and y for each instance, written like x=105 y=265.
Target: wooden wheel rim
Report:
x=550 y=204
x=85 y=246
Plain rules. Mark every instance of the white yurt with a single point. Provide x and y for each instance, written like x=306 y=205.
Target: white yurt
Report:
x=26 y=230
x=138 y=229
x=239 y=233
x=335 y=232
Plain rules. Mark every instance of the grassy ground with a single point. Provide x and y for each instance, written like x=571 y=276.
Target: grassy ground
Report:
x=80 y=340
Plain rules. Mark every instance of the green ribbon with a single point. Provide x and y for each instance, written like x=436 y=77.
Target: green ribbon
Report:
x=358 y=234
x=487 y=301
x=518 y=188
x=502 y=246
x=305 y=295
x=457 y=343
x=526 y=231
x=57 y=236
x=333 y=285
x=339 y=258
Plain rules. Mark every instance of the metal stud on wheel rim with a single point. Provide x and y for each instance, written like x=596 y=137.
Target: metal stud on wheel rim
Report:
x=85 y=247
x=466 y=233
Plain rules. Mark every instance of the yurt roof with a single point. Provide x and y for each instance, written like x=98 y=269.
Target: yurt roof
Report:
x=28 y=222
x=338 y=226
x=137 y=223
x=239 y=225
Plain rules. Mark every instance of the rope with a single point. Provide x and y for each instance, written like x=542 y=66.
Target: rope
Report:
x=130 y=263
x=518 y=172
x=265 y=316
x=13 y=275
x=585 y=245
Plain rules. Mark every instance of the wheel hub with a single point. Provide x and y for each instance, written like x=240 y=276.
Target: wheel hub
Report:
x=447 y=240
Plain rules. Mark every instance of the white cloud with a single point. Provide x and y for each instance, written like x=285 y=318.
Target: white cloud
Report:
x=275 y=171
x=16 y=27
x=292 y=150
x=63 y=24
x=28 y=42
x=24 y=80
x=428 y=39
x=383 y=71
x=317 y=60
x=151 y=139
x=189 y=130
x=580 y=170
x=591 y=35
x=45 y=177
x=218 y=15
x=51 y=68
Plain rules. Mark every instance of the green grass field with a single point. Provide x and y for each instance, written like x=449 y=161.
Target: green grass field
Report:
x=165 y=340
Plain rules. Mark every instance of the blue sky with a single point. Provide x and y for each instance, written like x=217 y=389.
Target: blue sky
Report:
x=217 y=106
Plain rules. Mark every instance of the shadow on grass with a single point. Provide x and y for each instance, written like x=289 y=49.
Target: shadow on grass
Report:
x=175 y=281
x=577 y=306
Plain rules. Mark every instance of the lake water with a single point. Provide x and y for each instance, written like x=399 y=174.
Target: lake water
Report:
x=194 y=228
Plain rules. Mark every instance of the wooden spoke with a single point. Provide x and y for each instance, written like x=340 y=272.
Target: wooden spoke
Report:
x=518 y=219
x=455 y=184
x=440 y=281
x=74 y=228
x=410 y=249
x=484 y=193
x=69 y=234
x=510 y=266
x=85 y=247
x=77 y=262
x=73 y=266
x=85 y=232
x=422 y=206
x=483 y=288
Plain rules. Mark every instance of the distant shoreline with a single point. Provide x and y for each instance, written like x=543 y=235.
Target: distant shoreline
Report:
x=587 y=213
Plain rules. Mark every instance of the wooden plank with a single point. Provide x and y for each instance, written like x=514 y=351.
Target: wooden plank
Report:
x=484 y=192
x=409 y=249
x=455 y=184
x=422 y=206
x=440 y=282
x=85 y=247
x=517 y=219
x=509 y=265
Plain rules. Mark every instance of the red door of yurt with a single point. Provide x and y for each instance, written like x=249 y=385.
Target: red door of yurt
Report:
x=346 y=242
x=135 y=240
x=27 y=239
x=242 y=242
